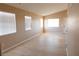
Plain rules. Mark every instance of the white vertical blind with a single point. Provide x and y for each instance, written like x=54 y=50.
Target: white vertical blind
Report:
x=27 y=22
x=53 y=22
x=7 y=23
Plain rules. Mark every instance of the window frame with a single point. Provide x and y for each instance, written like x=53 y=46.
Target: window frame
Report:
x=25 y=23
x=14 y=20
x=51 y=25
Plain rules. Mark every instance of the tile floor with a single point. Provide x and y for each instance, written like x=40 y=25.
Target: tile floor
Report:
x=47 y=44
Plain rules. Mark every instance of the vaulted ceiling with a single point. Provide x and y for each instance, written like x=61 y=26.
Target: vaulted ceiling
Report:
x=41 y=8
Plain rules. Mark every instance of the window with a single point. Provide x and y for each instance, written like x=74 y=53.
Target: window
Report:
x=27 y=22
x=41 y=20
x=7 y=23
x=53 y=22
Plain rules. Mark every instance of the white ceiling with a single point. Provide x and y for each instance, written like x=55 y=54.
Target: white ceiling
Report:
x=41 y=8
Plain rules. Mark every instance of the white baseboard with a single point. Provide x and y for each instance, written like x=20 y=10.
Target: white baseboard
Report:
x=20 y=43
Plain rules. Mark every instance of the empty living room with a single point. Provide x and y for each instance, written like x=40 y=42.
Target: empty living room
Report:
x=39 y=29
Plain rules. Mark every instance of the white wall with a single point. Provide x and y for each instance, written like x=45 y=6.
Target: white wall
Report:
x=72 y=30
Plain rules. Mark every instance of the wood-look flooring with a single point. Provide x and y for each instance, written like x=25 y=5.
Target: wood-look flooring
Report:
x=47 y=44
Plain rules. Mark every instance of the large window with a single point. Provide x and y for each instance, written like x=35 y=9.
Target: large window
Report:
x=27 y=22
x=41 y=24
x=53 y=22
x=7 y=23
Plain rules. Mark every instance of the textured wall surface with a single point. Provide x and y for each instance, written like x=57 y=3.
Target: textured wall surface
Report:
x=72 y=30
